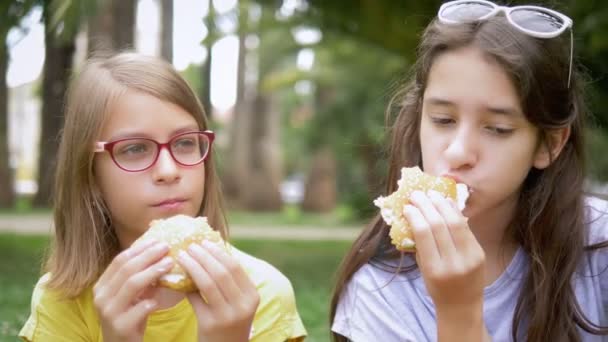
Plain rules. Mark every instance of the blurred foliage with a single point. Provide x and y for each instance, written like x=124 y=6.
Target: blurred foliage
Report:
x=366 y=48
x=367 y=45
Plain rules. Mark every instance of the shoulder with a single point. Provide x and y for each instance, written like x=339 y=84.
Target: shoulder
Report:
x=277 y=316
x=367 y=307
x=53 y=315
x=267 y=278
x=596 y=219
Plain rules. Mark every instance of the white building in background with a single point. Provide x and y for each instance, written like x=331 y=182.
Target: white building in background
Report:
x=24 y=135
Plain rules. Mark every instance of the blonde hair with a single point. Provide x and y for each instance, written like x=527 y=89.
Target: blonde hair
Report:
x=85 y=242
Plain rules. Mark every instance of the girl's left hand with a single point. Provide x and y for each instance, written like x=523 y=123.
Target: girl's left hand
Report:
x=230 y=298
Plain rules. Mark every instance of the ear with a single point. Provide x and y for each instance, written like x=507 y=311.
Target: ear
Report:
x=550 y=149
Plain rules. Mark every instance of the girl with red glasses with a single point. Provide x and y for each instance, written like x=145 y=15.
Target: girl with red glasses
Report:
x=135 y=148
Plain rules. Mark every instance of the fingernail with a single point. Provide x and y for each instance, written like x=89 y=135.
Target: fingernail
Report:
x=194 y=248
x=434 y=194
x=166 y=261
x=161 y=247
x=140 y=246
x=182 y=255
x=165 y=264
x=407 y=209
x=209 y=245
x=417 y=194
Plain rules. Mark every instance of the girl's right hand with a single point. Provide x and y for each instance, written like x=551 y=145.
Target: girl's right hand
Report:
x=452 y=263
x=123 y=294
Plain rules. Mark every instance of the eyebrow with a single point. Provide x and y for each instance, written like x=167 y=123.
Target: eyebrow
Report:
x=498 y=110
x=138 y=134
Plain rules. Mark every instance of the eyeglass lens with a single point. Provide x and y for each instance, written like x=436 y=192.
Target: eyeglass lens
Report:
x=536 y=20
x=138 y=154
x=469 y=11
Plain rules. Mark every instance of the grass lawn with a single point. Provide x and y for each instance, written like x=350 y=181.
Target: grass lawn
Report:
x=309 y=265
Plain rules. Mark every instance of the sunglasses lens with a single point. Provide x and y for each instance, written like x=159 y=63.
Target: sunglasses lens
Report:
x=536 y=20
x=466 y=11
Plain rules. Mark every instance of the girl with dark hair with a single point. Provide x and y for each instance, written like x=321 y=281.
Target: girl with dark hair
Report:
x=494 y=102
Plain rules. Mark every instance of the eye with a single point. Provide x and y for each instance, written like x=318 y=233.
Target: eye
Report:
x=133 y=149
x=185 y=144
x=500 y=130
x=442 y=120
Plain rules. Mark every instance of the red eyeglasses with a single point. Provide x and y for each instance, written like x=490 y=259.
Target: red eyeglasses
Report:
x=140 y=154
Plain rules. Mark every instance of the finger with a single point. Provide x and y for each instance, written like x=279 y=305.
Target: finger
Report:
x=130 y=320
x=137 y=264
x=203 y=281
x=456 y=222
x=122 y=258
x=218 y=272
x=436 y=222
x=139 y=282
x=198 y=304
x=426 y=248
x=238 y=274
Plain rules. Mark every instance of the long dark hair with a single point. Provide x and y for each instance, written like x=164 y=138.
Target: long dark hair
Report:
x=549 y=220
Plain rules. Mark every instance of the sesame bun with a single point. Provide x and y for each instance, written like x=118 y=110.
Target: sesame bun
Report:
x=412 y=179
x=179 y=232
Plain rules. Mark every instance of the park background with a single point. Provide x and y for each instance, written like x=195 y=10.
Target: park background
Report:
x=296 y=91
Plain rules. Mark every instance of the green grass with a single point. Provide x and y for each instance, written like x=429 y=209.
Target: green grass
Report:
x=309 y=265
x=294 y=216
x=20 y=260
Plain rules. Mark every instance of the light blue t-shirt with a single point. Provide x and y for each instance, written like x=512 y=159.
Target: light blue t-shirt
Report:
x=379 y=305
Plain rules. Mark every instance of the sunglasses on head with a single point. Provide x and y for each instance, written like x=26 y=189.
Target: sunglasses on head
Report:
x=535 y=21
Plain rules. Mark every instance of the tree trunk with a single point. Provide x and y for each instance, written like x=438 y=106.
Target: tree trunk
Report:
x=206 y=84
x=98 y=37
x=206 y=67
x=262 y=188
x=123 y=30
x=59 y=55
x=235 y=174
x=113 y=27
x=370 y=154
x=7 y=193
x=320 y=193
x=166 y=33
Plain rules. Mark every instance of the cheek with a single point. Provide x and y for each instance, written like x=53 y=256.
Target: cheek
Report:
x=117 y=187
x=195 y=177
x=429 y=145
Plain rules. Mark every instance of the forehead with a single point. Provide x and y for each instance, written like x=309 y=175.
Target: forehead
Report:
x=468 y=77
x=138 y=113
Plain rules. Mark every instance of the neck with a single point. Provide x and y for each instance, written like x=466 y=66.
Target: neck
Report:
x=167 y=298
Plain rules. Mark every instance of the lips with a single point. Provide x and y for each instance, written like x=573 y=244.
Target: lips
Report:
x=458 y=180
x=170 y=202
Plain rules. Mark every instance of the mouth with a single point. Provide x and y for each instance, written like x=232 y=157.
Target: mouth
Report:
x=169 y=203
x=458 y=180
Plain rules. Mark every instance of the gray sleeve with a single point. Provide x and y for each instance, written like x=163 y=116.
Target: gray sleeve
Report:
x=345 y=322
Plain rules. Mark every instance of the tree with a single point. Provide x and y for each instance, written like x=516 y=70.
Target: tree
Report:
x=210 y=39
x=166 y=33
x=235 y=175
x=112 y=25
x=59 y=53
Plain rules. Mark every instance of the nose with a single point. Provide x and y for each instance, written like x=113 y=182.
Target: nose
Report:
x=462 y=151
x=166 y=169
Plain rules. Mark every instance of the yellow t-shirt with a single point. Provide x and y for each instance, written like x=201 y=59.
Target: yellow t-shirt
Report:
x=53 y=319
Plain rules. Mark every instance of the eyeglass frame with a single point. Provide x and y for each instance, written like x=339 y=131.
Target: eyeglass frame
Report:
x=103 y=146
x=496 y=9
